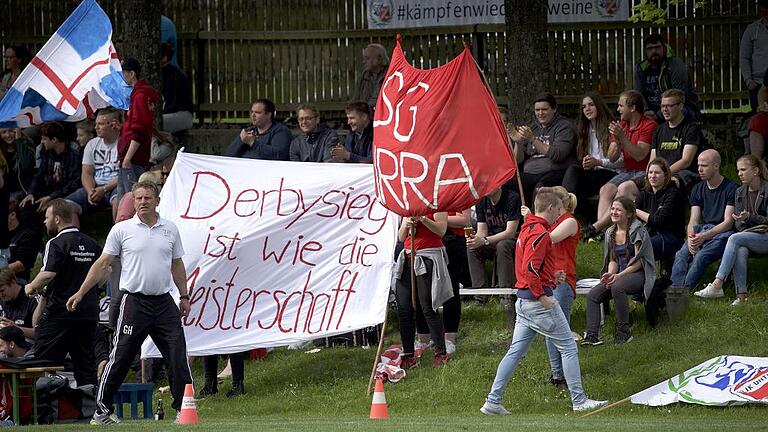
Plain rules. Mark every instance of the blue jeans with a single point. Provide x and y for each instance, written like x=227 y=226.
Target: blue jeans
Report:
x=126 y=178
x=564 y=296
x=688 y=269
x=80 y=198
x=735 y=257
x=665 y=245
x=532 y=318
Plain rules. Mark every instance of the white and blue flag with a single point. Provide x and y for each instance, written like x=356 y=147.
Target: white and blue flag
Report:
x=75 y=73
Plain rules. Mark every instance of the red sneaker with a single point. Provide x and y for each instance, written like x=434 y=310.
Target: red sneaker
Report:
x=440 y=359
x=409 y=362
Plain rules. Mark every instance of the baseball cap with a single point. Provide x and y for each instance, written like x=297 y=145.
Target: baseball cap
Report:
x=15 y=335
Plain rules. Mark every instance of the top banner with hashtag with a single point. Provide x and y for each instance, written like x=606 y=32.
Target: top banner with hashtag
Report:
x=395 y=14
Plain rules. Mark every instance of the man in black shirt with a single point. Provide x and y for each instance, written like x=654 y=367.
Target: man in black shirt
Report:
x=498 y=215
x=68 y=256
x=17 y=308
x=25 y=244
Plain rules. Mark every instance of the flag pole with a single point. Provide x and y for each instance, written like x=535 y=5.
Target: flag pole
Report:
x=377 y=359
x=607 y=407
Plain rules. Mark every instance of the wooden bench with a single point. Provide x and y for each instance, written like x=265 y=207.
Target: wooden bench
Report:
x=504 y=291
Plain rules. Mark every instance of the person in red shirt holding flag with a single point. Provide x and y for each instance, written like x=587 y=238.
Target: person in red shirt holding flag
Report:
x=433 y=283
x=135 y=143
x=536 y=311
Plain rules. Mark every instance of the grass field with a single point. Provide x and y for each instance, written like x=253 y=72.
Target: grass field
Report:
x=325 y=391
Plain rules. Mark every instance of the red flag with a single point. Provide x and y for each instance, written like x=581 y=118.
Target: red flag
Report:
x=439 y=144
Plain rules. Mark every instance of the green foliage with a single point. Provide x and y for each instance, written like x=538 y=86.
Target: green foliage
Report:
x=649 y=11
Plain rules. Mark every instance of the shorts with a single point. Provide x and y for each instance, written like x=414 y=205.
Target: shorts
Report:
x=623 y=176
x=759 y=123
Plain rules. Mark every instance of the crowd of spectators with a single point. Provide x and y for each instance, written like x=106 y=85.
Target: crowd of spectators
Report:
x=643 y=166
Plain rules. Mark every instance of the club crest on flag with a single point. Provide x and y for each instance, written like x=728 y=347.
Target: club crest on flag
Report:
x=439 y=144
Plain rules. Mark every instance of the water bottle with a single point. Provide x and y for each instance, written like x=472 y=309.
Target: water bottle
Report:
x=159 y=414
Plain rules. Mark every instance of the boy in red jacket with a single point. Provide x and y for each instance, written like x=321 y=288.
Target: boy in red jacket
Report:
x=536 y=311
x=135 y=143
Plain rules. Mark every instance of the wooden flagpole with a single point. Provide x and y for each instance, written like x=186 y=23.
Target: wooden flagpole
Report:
x=607 y=407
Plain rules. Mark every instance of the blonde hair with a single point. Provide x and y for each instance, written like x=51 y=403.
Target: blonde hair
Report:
x=149 y=176
x=545 y=197
x=569 y=200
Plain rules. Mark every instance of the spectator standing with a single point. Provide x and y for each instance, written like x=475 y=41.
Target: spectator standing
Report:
x=433 y=285
x=709 y=226
x=628 y=269
x=99 y=174
x=135 y=144
x=150 y=252
x=753 y=53
x=177 y=93
x=375 y=64
x=545 y=149
x=358 y=145
x=68 y=257
x=565 y=235
x=59 y=173
x=265 y=138
x=316 y=140
x=751 y=212
x=661 y=71
x=758 y=124
x=537 y=312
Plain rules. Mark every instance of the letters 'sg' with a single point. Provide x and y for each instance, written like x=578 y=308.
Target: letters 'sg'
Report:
x=396 y=113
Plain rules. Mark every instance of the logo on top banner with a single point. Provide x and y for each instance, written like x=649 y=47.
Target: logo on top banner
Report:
x=380 y=12
x=608 y=8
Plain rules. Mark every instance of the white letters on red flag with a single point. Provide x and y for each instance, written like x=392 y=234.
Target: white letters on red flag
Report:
x=439 y=144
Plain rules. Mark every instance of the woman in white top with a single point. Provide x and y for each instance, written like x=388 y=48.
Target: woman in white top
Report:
x=599 y=156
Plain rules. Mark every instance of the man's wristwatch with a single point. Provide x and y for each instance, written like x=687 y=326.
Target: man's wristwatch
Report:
x=486 y=241
x=184 y=297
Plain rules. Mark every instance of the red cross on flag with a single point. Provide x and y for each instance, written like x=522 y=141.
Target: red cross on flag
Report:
x=439 y=143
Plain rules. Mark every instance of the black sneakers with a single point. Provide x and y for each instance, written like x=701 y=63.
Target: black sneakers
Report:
x=590 y=339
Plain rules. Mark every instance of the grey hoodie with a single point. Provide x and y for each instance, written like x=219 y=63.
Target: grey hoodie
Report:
x=637 y=233
x=561 y=137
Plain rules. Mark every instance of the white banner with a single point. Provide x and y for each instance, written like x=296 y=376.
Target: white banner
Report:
x=395 y=14
x=724 y=380
x=277 y=252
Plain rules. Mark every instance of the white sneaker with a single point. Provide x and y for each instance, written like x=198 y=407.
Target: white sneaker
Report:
x=738 y=302
x=589 y=405
x=710 y=291
x=450 y=347
x=492 y=409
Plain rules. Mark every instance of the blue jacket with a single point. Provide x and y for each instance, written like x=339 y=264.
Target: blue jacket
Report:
x=274 y=144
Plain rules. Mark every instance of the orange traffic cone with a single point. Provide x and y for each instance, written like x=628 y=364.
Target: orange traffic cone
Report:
x=188 y=413
x=379 y=404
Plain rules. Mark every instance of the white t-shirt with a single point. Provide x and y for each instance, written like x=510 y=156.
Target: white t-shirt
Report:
x=145 y=254
x=103 y=156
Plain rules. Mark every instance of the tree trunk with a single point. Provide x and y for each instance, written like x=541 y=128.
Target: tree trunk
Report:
x=139 y=37
x=527 y=56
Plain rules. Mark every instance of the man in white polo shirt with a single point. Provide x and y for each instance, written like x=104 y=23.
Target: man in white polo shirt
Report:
x=150 y=251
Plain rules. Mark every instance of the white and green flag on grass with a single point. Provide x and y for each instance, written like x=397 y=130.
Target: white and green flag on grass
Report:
x=723 y=380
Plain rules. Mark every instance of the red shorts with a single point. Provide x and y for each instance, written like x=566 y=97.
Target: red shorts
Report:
x=759 y=123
